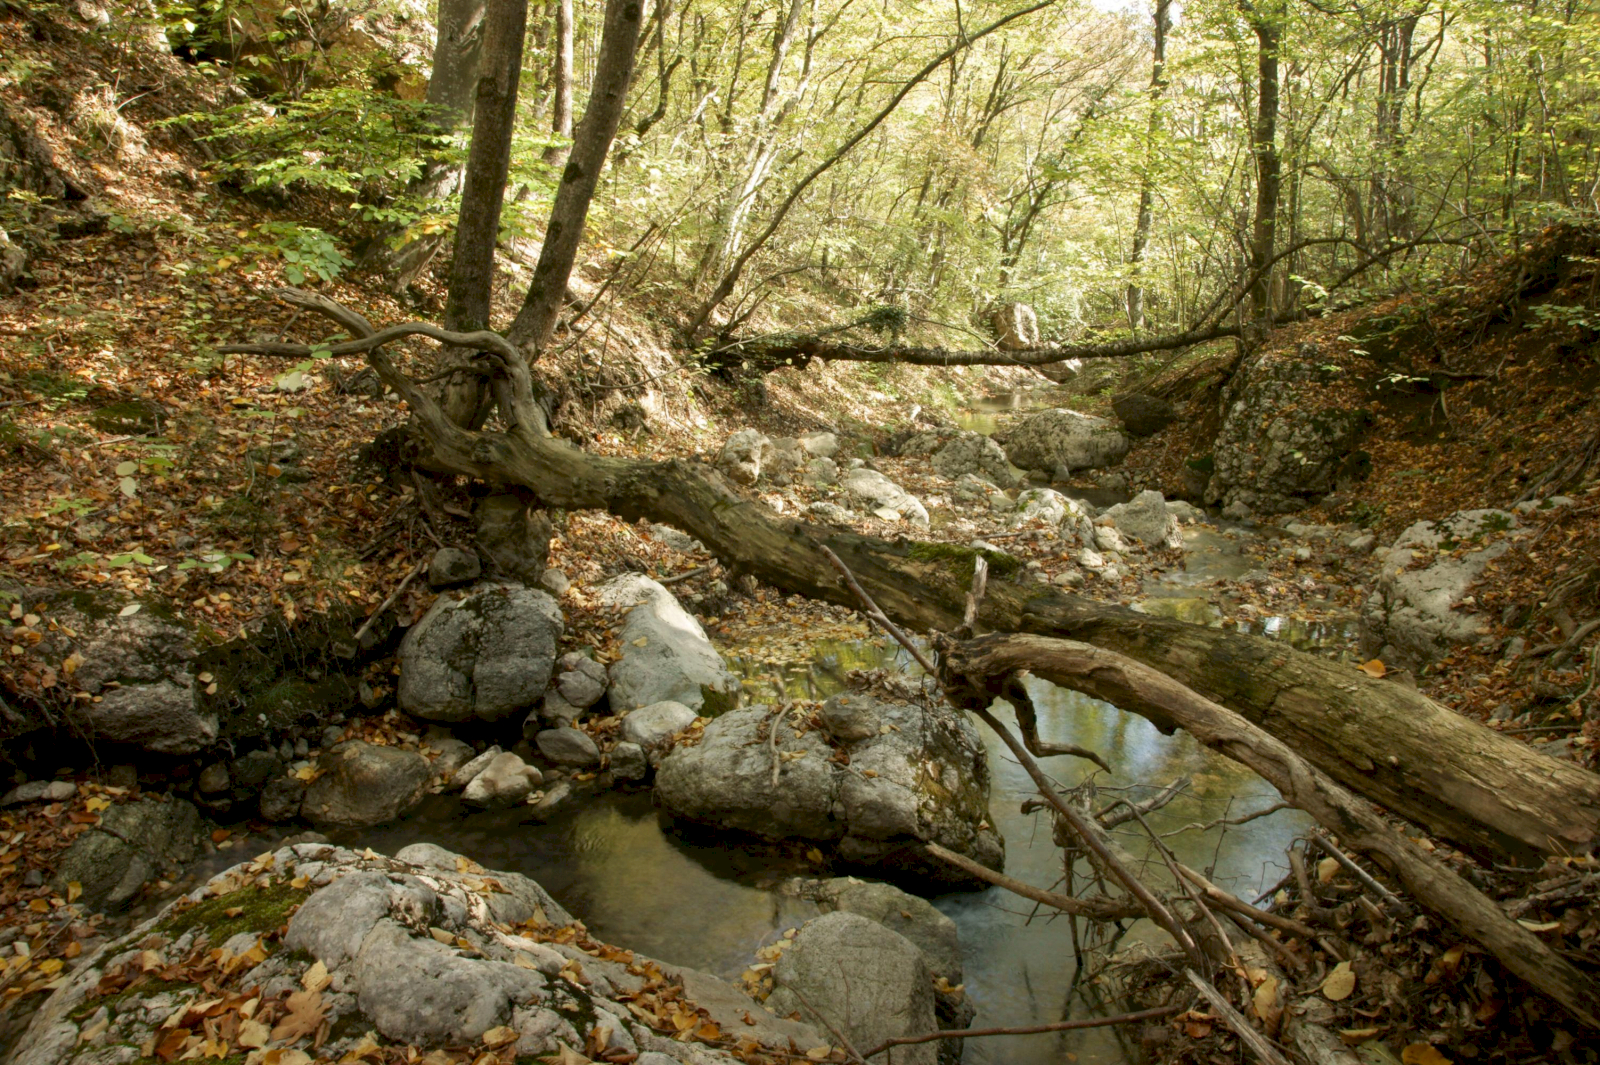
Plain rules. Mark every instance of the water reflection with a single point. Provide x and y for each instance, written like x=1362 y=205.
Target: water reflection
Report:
x=703 y=899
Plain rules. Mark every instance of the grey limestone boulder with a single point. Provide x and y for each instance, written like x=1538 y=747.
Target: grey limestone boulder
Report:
x=821 y=444
x=452 y=565
x=1143 y=415
x=743 y=454
x=133 y=843
x=568 y=746
x=870 y=983
x=885 y=496
x=1146 y=520
x=505 y=781
x=973 y=453
x=361 y=784
x=485 y=656
x=425 y=949
x=915 y=775
x=653 y=727
x=1288 y=435
x=1051 y=438
x=1416 y=616
x=665 y=653
x=1017 y=326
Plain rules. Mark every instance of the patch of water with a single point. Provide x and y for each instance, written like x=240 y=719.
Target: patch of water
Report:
x=984 y=415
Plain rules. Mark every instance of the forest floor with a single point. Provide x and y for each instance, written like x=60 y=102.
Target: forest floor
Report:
x=252 y=500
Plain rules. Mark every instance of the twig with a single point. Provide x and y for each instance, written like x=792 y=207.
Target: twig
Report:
x=772 y=742
x=697 y=571
x=110 y=440
x=1236 y=1021
x=1396 y=904
x=387 y=603
x=844 y=1040
x=1103 y=909
x=1031 y=1029
x=1216 y=895
x=1132 y=810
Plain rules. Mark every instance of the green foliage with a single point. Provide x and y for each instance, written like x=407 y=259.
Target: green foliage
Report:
x=306 y=251
x=341 y=141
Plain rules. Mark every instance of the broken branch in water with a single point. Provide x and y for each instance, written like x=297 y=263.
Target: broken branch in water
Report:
x=1101 y=909
x=1032 y=1029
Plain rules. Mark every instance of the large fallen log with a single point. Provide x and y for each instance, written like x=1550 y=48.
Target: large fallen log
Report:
x=1482 y=791
x=981 y=666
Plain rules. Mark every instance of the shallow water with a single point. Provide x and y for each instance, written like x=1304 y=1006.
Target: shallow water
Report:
x=704 y=899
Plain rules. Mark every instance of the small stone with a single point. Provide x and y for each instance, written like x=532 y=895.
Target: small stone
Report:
x=452 y=565
x=1068 y=578
x=555 y=582
x=628 y=762
x=1363 y=544
x=302 y=748
x=214 y=778
x=1302 y=554
x=33 y=878
x=653 y=726
x=581 y=689
x=1238 y=510
x=568 y=746
x=281 y=799
x=506 y=780
x=452 y=755
x=553 y=797
x=850 y=718
x=470 y=769
x=331 y=735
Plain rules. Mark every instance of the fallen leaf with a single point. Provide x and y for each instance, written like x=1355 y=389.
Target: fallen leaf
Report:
x=1422 y=1054
x=566 y=1056
x=253 y=1034
x=1340 y=983
x=1327 y=869
x=1373 y=668
x=1356 y=1036
x=74 y=889
x=306 y=1010
x=499 y=1036
x=316 y=978
x=1532 y=926
x=128 y=611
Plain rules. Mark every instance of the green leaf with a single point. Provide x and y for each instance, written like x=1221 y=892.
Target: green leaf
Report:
x=127 y=469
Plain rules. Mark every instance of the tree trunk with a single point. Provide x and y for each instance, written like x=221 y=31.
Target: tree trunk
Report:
x=1147 y=184
x=535 y=323
x=561 y=105
x=1263 y=232
x=488 y=163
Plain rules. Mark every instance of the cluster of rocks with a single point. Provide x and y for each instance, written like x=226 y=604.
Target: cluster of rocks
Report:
x=750 y=457
x=428 y=950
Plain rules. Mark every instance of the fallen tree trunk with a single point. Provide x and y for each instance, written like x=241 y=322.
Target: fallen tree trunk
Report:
x=981 y=667
x=1482 y=791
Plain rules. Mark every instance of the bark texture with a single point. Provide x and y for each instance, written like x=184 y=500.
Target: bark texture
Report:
x=535 y=323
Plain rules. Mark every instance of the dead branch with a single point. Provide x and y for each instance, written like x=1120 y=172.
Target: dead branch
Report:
x=1033 y=1029
x=1236 y=1022
x=1139 y=689
x=1102 y=909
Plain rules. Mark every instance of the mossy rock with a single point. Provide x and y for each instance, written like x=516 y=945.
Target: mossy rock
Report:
x=260 y=910
x=132 y=417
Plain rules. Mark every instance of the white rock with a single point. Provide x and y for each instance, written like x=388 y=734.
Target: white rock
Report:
x=876 y=488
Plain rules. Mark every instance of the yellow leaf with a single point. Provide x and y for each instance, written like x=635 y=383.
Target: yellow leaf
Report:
x=51 y=966
x=1373 y=668
x=39 y=906
x=1356 y=1036
x=316 y=978
x=305 y=773
x=1340 y=983
x=1327 y=869
x=1266 y=1000
x=819 y=1053
x=499 y=1036
x=1422 y=1054
x=96 y=804
x=1532 y=926
x=74 y=889
x=253 y=1034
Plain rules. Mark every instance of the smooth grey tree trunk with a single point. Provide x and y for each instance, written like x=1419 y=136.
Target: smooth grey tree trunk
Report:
x=561 y=100
x=535 y=323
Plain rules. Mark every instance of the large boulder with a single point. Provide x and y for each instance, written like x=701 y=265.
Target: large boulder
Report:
x=134 y=842
x=1073 y=518
x=1143 y=415
x=483 y=657
x=1145 y=520
x=666 y=656
x=743 y=454
x=361 y=784
x=1289 y=434
x=325 y=951
x=134 y=658
x=1017 y=327
x=976 y=454
x=889 y=500
x=1050 y=439
x=914 y=775
x=1417 y=615
x=858 y=976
